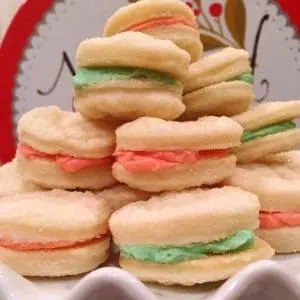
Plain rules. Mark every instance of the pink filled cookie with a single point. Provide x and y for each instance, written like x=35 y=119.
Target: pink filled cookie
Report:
x=60 y=149
x=277 y=186
x=156 y=155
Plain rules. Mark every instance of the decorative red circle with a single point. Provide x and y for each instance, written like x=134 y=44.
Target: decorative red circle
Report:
x=197 y=12
x=11 y=53
x=291 y=8
x=215 y=9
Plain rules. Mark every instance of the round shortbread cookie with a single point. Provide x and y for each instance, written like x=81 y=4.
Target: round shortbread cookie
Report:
x=283 y=240
x=53 y=131
x=290 y=158
x=57 y=263
x=221 y=99
x=203 y=172
x=212 y=268
x=268 y=113
x=129 y=99
x=12 y=182
x=134 y=49
x=146 y=10
x=217 y=67
x=273 y=143
x=48 y=174
x=277 y=186
x=121 y=195
x=183 y=36
x=190 y=216
x=52 y=217
x=207 y=133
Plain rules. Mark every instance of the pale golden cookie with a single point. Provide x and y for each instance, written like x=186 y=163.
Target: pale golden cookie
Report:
x=155 y=134
x=129 y=75
x=196 y=153
x=276 y=185
x=174 y=221
x=191 y=216
x=184 y=36
x=59 y=149
x=133 y=49
x=268 y=129
x=220 y=66
x=53 y=233
x=212 y=268
x=203 y=172
x=220 y=99
x=213 y=85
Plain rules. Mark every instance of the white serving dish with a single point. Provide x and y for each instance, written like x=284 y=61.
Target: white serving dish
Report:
x=267 y=280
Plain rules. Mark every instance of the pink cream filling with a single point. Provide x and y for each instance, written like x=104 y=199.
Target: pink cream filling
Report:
x=49 y=246
x=144 y=25
x=68 y=163
x=273 y=220
x=151 y=161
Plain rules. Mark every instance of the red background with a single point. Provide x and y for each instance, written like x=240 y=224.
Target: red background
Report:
x=11 y=51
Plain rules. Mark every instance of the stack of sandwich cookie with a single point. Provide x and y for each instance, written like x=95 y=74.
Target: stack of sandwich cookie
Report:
x=60 y=149
x=189 y=237
x=268 y=128
x=156 y=155
x=277 y=186
x=54 y=233
x=163 y=19
x=220 y=84
x=129 y=75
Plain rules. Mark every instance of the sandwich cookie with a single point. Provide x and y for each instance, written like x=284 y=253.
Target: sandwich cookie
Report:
x=156 y=155
x=268 y=129
x=189 y=237
x=60 y=149
x=219 y=84
x=121 y=195
x=278 y=187
x=54 y=233
x=163 y=19
x=289 y=158
x=129 y=75
x=12 y=182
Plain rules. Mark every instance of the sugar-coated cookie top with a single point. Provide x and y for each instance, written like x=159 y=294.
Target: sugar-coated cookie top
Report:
x=51 y=216
x=220 y=66
x=53 y=131
x=145 y=10
x=269 y=113
x=276 y=184
x=134 y=49
x=191 y=216
x=207 y=133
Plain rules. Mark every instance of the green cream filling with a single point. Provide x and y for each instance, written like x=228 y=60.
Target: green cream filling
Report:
x=89 y=76
x=242 y=240
x=246 y=77
x=250 y=135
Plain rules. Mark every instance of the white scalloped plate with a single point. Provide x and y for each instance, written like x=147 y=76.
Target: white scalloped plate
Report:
x=267 y=280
